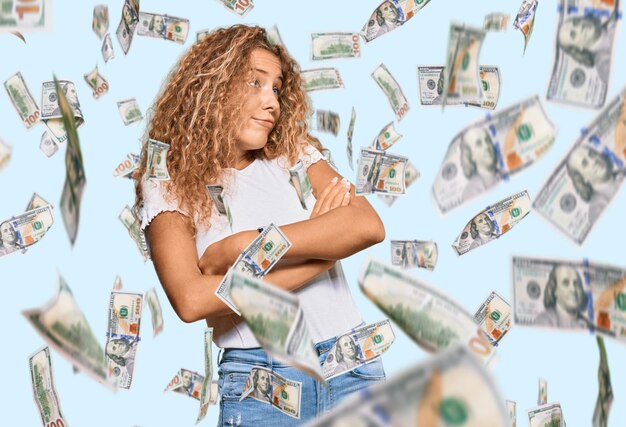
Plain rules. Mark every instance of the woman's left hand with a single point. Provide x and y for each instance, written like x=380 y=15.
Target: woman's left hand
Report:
x=219 y=256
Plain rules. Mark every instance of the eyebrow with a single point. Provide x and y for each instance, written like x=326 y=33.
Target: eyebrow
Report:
x=260 y=70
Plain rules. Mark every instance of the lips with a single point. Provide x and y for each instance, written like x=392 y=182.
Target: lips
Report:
x=268 y=123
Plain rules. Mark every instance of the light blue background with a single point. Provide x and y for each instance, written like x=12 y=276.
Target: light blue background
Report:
x=103 y=248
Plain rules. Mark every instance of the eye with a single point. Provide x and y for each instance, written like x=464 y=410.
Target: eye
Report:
x=276 y=90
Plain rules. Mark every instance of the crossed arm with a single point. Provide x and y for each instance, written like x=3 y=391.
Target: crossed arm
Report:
x=339 y=227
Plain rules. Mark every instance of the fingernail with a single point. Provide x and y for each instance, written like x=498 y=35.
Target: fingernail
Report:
x=347 y=195
x=345 y=183
x=334 y=180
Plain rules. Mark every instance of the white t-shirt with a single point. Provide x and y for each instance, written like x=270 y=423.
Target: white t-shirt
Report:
x=257 y=195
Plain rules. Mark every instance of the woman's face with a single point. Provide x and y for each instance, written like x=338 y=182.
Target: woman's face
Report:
x=7 y=235
x=260 y=108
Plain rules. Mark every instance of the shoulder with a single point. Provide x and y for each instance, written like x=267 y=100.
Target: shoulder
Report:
x=157 y=199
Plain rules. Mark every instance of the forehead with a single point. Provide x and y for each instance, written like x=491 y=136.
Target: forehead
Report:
x=265 y=61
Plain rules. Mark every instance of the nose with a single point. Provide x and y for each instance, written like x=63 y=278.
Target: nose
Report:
x=270 y=102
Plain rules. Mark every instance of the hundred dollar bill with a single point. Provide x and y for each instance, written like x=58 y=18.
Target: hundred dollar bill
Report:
x=277 y=322
x=493 y=222
x=186 y=382
x=238 y=7
x=107 y=48
x=549 y=415
x=259 y=257
x=358 y=347
x=100 y=22
x=386 y=137
x=542 y=396
x=584 y=52
x=156 y=314
x=350 y=134
x=51 y=113
x=432 y=319
x=44 y=390
x=156 y=165
x=494 y=318
x=21 y=99
x=216 y=194
x=380 y=172
x=129 y=111
x=274 y=36
x=451 y=389
x=124 y=322
x=389 y=15
x=597 y=299
x=410 y=175
x=128 y=22
x=163 y=27
x=321 y=78
x=511 y=407
x=25 y=230
x=98 y=83
x=525 y=19
x=133 y=225
x=392 y=90
x=5 y=154
x=128 y=167
x=462 y=79
x=496 y=21
x=325 y=121
x=300 y=181
x=206 y=391
x=490 y=150
x=25 y=15
x=584 y=183
x=431 y=87
x=334 y=45
x=605 y=390
x=414 y=253
x=48 y=145
x=267 y=386
x=63 y=326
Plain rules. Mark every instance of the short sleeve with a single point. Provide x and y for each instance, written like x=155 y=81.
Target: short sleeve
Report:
x=154 y=202
x=310 y=155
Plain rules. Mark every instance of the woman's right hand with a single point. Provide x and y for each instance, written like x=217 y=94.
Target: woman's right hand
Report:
x=334 y=195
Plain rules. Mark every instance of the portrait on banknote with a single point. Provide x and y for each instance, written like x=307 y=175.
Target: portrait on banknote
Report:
x=8 y=239
x=346 y=354
x=479 y=161
x=261 y=384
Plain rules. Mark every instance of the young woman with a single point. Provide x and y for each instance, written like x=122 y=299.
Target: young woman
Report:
x=234 y=114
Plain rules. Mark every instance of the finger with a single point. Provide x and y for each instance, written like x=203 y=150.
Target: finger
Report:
x=346 y=199
x=339 y=196
x=327 y=189
x=328 y=200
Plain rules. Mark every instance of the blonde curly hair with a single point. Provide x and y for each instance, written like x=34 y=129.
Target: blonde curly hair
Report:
x=197 y=114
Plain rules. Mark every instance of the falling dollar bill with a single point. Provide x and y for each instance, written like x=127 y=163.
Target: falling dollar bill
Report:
x=450 y=389
x=334 y=45
x=300 y=181
x=48 y=144
x=128 y=23
x=51 y=112
x=584 y=52
x=321 y=78
x=429 y=317
x=380 y=172
x=511 y=408
x=494 y=318
x=392 y=91
x=259 y=257
x=358 y=347
x=549 y=415
x=410 y=175
x=133 y=225
x=325 y=121
x=129 y=111
x=100 y=22
x=605 y=389
x=414 y=253
x=273 y=36
x=163 y=27
x=267 y=386
x=186 y=382
x=277 y=321
x=5 y=154
x=124 y=321
x=350 y=134
x=584 y=183
x=64 y=327
x=389 y=15
x=525 y=19
x=25 y=229
x=490 y=150
x=493 y=222
x=206 y=391
x=431 y=80
x=542 y=396
x=238 y=7
x=128 y=168
x=156 y=165
x=26 y=15
x=107 y=49
x=570 y=295
x=217 y=196
x=44 y=390
x=98 y=84
x=22 y=100
x=386 y=137
x=462 y=79
x=496 y=21
x=156 y=314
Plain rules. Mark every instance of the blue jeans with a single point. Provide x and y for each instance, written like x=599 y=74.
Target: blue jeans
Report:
x=234 y=369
